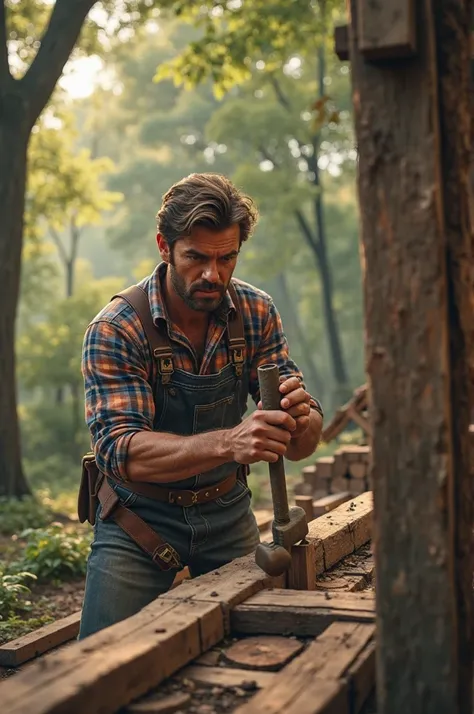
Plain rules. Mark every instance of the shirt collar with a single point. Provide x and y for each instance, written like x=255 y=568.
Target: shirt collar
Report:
x=158 y=307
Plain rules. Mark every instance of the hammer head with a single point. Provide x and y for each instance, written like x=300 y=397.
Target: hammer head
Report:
x=272 y=559
x=288 y=534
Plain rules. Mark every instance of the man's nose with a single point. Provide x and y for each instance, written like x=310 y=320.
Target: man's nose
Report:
x=211 y=273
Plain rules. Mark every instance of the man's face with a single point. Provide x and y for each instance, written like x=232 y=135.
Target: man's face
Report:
x=202 y=265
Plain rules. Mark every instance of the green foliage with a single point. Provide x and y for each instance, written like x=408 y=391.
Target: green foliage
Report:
x=12 y=592
x=16 y=626
x=64 y=182
x=239 y=36
x=49 y=353
x=108 y=23
x=54 y=553
x=18 y=514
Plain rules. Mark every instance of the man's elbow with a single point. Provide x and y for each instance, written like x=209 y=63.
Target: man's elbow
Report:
x=111 y=454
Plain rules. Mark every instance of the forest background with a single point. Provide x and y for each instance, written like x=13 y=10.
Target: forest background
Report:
x=252 y=90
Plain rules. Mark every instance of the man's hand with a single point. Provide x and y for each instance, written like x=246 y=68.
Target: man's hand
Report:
x=295 y=402
x=262 y=436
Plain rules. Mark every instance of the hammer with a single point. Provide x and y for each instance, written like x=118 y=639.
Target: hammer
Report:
x=289 y=525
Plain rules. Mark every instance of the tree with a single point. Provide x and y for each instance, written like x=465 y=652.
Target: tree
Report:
x=49 y=352
x=35 y=44
x=292 y=138
x=66 y=189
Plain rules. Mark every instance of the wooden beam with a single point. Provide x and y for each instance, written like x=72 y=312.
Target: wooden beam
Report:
x=329 y=503
x=341 y=42
x=302 y=572
x=306 y=503
x=18 y=651
x=304 y=614
x=228 y=677
x=109 y=669
x=322 y=680
x=343 y=530
x=386 y=29
x=413 y=137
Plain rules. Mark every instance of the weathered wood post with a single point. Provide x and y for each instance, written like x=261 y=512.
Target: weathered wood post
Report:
x=410 y=70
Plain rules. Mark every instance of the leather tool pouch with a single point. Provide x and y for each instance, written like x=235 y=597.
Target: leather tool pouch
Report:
x=88 y=500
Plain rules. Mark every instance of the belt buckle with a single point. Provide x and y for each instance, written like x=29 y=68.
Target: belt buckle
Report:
x=194 y=498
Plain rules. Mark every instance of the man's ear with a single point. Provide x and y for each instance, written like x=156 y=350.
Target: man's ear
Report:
x=163 y=247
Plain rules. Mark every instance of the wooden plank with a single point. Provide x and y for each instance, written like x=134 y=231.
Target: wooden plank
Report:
x=302 y=572
x=341 y=42
x=344 y=529
x=358 y=470
x=227 y=677
x=295 y=612
x=362 y=675
x=306 y=503
x=316 y=682
x=387 y=29
x=41 y=640
x=182 y=575
x=356 y=454
x=228 y=586
x=416 y=232
x=132 y=661
x=263 y=653
x=328 y=503
x=360 y=420
x=309 y=474
x=156 y=704
x=264 y=519
x=324 y=467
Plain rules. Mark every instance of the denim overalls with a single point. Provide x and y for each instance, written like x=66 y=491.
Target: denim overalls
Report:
x=121 y=578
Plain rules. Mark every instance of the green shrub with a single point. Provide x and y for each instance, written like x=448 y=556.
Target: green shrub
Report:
x=18 y=514
x=54 y=553
x=12 y=592
x=17 y=627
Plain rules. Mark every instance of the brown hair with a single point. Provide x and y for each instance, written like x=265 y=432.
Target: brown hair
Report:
x=209 y=200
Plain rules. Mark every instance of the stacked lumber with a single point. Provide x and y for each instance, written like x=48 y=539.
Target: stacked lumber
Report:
x=303 y=653
x=333 y=480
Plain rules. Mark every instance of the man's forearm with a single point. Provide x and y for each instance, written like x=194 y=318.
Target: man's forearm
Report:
x=158 y=457
x=306 y=444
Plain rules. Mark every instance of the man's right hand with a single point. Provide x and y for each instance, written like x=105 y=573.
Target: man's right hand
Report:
x=262 y=436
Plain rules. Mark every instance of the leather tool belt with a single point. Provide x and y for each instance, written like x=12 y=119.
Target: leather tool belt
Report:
x=182 y=497
x=95 y=489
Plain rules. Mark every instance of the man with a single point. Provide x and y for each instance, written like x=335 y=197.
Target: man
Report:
x=167 y=369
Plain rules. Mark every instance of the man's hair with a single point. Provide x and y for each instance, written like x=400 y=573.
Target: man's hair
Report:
x=209 y=200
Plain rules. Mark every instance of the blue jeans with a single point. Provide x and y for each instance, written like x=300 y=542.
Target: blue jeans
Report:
x=122 y=579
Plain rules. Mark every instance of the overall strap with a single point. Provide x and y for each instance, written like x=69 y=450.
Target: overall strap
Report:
x=236 y=334
x=159 y=343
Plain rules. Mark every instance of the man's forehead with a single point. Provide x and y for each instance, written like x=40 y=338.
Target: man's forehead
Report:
x=204 y=240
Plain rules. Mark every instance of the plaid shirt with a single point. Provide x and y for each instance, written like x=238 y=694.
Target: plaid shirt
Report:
x=119 y=372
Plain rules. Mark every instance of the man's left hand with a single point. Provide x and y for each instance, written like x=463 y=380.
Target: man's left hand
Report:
x=295 y=400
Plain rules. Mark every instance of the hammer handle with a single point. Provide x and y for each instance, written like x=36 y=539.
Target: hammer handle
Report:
x=269 y=382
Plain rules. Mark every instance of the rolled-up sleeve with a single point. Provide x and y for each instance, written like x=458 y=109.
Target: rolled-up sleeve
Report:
x=118 y=396
x=274 y=349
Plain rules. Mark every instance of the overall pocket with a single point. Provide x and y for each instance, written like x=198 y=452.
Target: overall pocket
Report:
x=208 y=417
x=239 y=492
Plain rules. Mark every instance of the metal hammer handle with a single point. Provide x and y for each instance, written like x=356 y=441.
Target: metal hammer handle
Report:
x=269 y=382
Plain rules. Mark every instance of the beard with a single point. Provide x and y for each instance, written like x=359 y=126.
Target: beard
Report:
x=187 y=294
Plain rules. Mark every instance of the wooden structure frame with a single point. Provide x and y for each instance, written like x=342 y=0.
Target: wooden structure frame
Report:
x=115 y=666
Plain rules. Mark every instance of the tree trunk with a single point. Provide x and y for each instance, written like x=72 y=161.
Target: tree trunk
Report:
x=413 y=132
x=339 y=365
x=308 y=366
x=13 y=149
